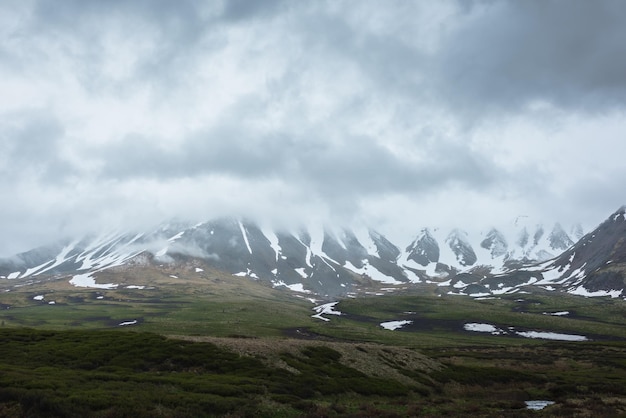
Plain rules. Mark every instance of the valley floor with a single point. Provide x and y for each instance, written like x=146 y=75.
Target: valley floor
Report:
x=251 y=351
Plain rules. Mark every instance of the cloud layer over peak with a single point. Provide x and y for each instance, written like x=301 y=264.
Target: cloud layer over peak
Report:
x=401 y=114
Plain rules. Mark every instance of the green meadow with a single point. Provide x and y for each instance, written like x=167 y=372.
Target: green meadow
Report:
x=237 y=348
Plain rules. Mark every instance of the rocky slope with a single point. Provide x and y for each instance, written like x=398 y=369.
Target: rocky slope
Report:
x=328 y=262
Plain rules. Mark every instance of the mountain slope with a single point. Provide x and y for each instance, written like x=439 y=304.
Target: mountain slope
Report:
x=595 y=264
x=330 y=262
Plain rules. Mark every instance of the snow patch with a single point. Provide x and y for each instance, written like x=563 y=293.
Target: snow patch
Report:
x=537 y=405
x=123 y=324
x=86 y=280
x=199 y=270
x=581 y=291
x=478 y=327
x=372 y=272
x=394 y=325
x=248 y=273
x=551 y=336
x=325 y=309
x=298 y=287
x=38 y=297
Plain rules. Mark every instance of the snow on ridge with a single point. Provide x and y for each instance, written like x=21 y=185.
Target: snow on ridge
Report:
x=176 y=237
x=316 y=233
x=339 y=235
x=301 y=271
x=364 y=237
x=32 y=270
x=245 y=236
x=309 y=252
x=59 y=259
x=372 y=272
x=273 y=239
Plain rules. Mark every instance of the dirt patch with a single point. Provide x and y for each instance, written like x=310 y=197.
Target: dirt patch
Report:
x=374 y=360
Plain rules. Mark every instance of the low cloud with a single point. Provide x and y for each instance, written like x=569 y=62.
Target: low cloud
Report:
x=400 y=116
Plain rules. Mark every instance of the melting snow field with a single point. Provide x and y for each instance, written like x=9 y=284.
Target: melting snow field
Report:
x=478 y=327
x=326 y=309
x=394 y=325
x=552 y=336
x=563 y=313
x=298 y=287
x=482 y=328
x=537 y=405
x=85 y=280
x=581 y=291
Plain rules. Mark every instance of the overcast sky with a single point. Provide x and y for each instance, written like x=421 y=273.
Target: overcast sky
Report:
x=401 y=114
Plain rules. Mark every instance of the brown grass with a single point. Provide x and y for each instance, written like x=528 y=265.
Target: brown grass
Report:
x=374 y=360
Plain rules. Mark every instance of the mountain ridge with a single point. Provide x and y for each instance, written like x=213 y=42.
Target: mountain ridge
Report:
x=333 y=262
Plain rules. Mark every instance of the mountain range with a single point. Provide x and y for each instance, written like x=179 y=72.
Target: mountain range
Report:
x=324 y=263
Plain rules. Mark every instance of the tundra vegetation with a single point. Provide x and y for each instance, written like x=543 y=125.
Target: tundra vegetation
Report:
x=237 y=348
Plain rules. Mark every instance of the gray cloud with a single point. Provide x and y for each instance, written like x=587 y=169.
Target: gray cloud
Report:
x=508 y=54
x=135 y=111
x=30 y=143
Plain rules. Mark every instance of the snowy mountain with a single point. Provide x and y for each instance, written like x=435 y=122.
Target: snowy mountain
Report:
x=328 y=262
x=596 y=264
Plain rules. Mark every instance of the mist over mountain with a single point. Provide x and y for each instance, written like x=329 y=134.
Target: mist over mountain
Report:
x=326 y=262
x=401 y=116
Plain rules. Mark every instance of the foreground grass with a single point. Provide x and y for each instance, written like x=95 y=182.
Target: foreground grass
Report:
x=96 y=373
x=232 y=356
x=111 y=373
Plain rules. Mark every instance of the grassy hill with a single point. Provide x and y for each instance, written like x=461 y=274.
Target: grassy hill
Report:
x=228 y=346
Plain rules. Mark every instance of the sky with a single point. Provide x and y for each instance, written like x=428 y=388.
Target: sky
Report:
x=397 y=114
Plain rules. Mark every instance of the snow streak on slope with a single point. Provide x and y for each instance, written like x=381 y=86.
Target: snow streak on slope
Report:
x=372 y=272
x=364 y=237
x=245 y=237
x=273 y=239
